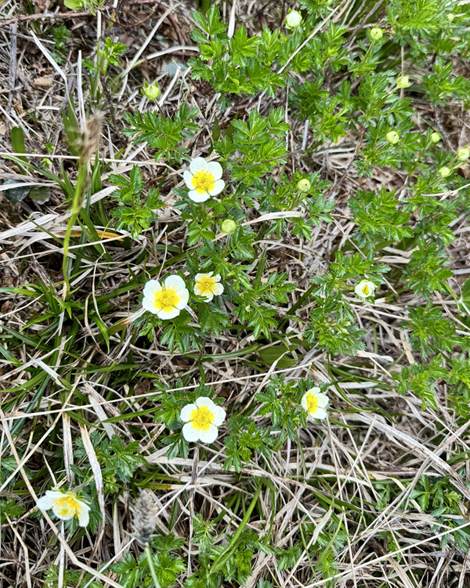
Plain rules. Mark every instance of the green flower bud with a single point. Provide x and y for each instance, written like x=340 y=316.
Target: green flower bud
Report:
x=228 y=226
x=293 y=19
x=463 y=154
x=376 y=34
x=303 y=185
x=450 y=16
x=444 y=172
x=392 y=137
x=403 y=82
x=435 y=137
x=152 y=92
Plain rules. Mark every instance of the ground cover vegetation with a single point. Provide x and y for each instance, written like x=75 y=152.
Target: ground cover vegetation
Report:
x=234 y=306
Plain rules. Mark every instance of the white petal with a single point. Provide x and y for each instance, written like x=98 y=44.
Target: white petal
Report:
x=47 y=502
x=184 y=297
x=83 y=514
x=219 y=415
x=197 y=165
x=303 y=402
x=208 y=436
x=196 y=197
x=197 y=290
x=205 y=401
x=313 y=391
x=320 y=414
x=322 y=400
x=167 y=315
x=149 y=305
x=216 y=278
x=215 y=169
x=218 y=289
x=186 y=412
x=151 y=287
x=188 y=176
x=189 y=433
x=208 y=296
x=199 y=276
x=175 y=283
x=218 y=187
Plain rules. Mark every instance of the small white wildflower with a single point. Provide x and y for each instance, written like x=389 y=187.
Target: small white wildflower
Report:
x=66 y=506
x=208 y=286
x=203 y=179
x=167 y=300
x=202 y=419
x=293 y=19
x=364 y=289
x=315 y=403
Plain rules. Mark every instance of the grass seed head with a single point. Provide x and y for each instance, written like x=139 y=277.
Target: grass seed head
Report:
x=144 y=517
x=90 y=140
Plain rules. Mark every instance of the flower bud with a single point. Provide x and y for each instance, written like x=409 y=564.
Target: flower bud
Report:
x=152 y=92
x=228 y=226
x=403 y=82
x=435 y=137
x=392 y=137
x=444 y=172
x=303 y=185
x=450 y=16
x=293 y=19
x=376 y=34
x=463 y=154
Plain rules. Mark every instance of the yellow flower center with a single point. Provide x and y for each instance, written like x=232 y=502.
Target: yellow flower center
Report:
x=201 y=418
x=203 y=181
x=66 y=507
x=365 y=290
x=312 y=403
x=206 y=285
x=166 y=299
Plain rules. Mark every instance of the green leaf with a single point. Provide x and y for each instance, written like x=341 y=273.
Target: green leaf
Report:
x=74 y=4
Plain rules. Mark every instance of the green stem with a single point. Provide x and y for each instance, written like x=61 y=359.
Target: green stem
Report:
x=76 y=205
x=148 y=553
x=228 y=552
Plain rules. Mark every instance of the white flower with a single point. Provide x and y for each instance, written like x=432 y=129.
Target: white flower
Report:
x=167 y=300
x=293 y=19
x=202 y=419
x=208 y=286
x=203 y=179
x=66 y=506
x=314 y=402
x=364 y=289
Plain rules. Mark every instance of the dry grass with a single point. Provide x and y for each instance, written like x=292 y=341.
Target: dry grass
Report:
x=60 y=387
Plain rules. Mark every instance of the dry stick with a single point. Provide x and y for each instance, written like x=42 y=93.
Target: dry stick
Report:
x=45 y=15
x=12 y=70
x=63 y=542
x=192 y=494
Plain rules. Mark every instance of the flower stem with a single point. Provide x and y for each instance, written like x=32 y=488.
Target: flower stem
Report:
x=148 y=553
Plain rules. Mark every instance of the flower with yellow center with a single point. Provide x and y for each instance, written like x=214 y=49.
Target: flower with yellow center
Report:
x=364 y=289
x=208 y=286
x=203 y=179
x=66 y=506
x=202 y=419
x=166 y=300
x=314 y=402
